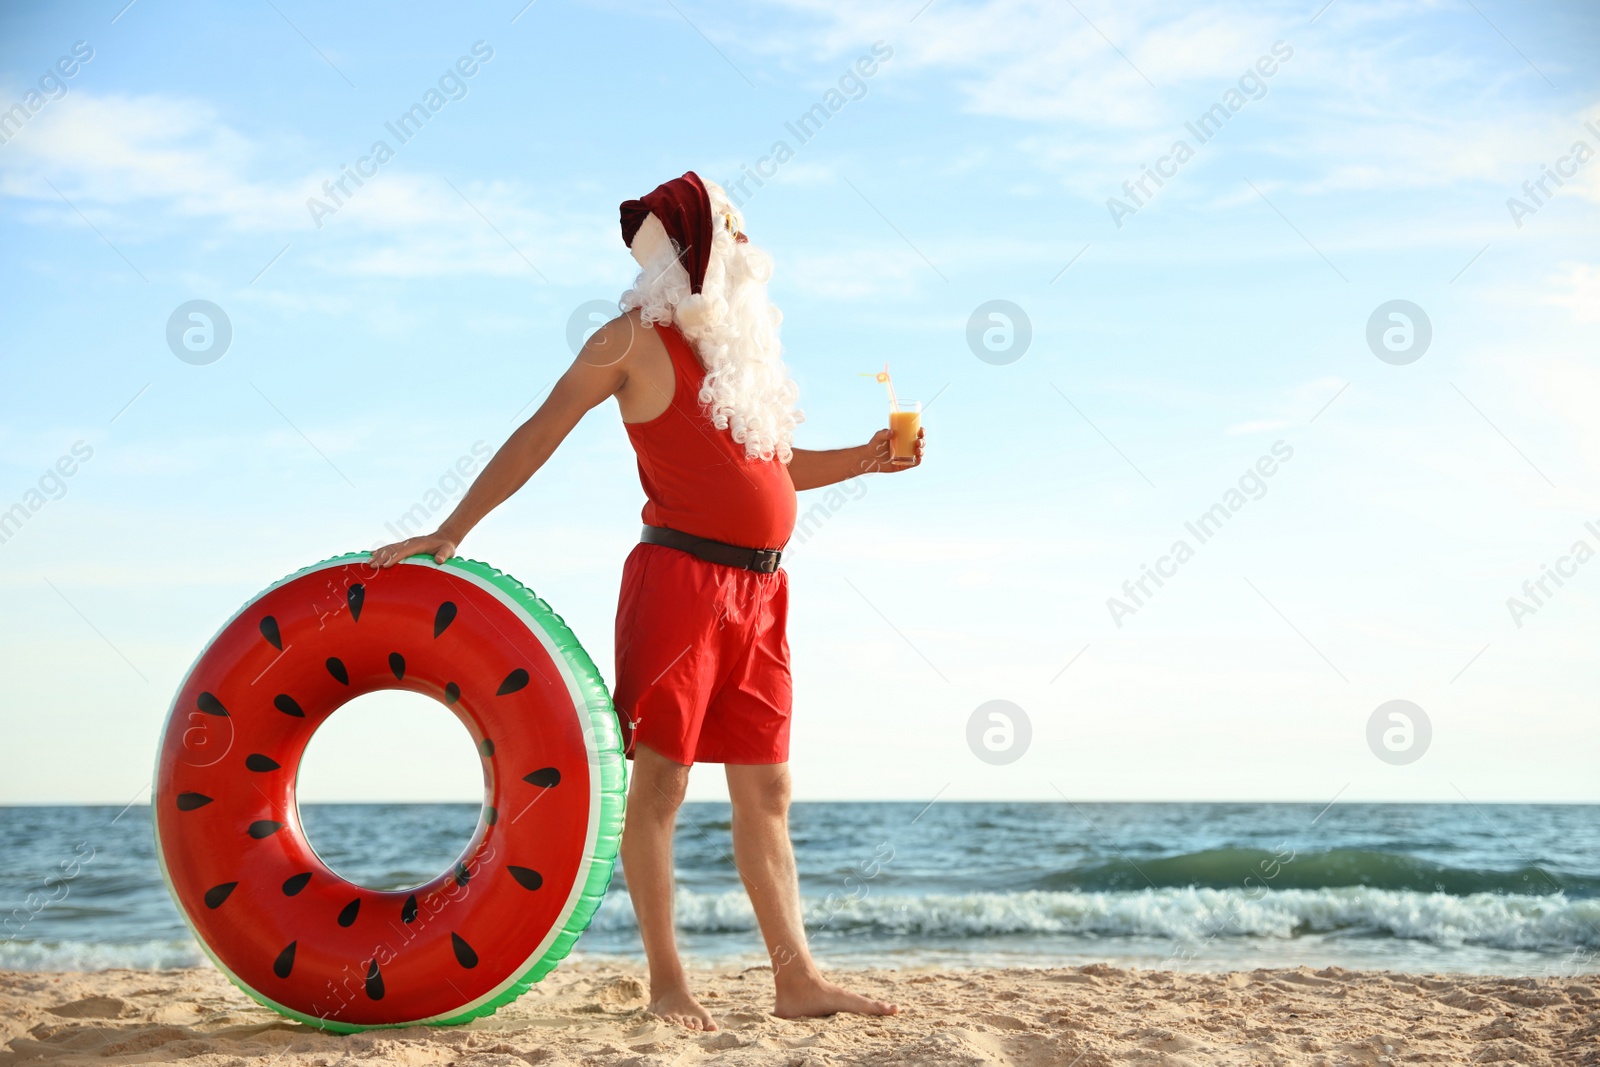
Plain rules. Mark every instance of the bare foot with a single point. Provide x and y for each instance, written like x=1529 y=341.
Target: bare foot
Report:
x=677 y=1006
x=814 y=997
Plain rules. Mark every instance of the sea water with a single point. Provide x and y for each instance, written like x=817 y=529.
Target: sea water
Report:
x=1495 y=889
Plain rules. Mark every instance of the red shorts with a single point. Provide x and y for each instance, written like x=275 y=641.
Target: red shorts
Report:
x=702 y=659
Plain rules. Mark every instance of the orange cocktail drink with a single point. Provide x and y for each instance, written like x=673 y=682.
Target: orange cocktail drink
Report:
x=904 y=422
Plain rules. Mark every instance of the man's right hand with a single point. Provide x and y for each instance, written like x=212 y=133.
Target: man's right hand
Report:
x=437 y=545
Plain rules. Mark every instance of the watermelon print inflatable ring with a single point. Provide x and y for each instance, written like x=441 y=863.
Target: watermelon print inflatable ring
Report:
x=274 y=917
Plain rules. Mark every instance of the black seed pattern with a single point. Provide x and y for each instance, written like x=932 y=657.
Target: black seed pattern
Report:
x=347 y=916
x=356 y=595
x=190 y=801
x=336 y=668
x=264 y=828
x=408 y=910
x=517 y=679
x=286 y=704
x=443 y=618
x=462 y=874
x=544 y=777
x=397 y=664
x=490 y=816
x=464 y=954
x=486 y=748
x=259 y=763
x=294 y=884
x=452 y=693
x=285 y=961
x=210 y=704
x=526 y=878
x=218 y=893
x=374 y=981
x=269 y=630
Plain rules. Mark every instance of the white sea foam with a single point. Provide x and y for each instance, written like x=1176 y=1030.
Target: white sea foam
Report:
x=1181 y=918
x=1180 y=915
x=82 y=956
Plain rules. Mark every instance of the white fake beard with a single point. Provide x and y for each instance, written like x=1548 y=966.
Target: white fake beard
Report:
x=733 y=328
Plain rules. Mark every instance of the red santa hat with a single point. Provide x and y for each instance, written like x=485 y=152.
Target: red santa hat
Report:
x=679 y=210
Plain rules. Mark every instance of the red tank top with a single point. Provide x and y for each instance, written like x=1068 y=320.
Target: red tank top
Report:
x=697 y=478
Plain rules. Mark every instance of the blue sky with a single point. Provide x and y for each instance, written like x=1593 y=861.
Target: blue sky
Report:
x=1223 y=318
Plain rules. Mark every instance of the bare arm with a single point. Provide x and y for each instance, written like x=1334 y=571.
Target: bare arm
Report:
x=812 y=470
x=596 y=374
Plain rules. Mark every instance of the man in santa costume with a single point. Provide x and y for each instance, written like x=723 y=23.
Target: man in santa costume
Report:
x=696 y=368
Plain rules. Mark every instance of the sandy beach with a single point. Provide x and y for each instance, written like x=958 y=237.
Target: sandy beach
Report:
x=1089 y=1016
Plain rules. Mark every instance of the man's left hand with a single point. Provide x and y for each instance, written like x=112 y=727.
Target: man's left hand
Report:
x=880 y=453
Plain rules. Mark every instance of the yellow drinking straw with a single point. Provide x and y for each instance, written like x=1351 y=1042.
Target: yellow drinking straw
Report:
x=883 y=376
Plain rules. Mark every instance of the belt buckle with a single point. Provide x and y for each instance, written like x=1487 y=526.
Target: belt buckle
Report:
x=767 y=560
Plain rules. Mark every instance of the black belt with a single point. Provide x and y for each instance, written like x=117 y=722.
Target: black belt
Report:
x=761 y=560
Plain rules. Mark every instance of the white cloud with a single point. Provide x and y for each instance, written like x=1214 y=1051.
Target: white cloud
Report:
x=106 y=153
x=146 y=166
x=855 y=274
x=1037 y=61
x=1579 y=285
x=1331 y=110
x=1244 y=429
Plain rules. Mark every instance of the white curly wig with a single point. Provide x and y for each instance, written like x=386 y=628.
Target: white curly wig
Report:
x=730 y=323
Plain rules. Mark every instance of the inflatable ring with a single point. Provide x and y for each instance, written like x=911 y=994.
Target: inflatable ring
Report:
x=274 y=917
